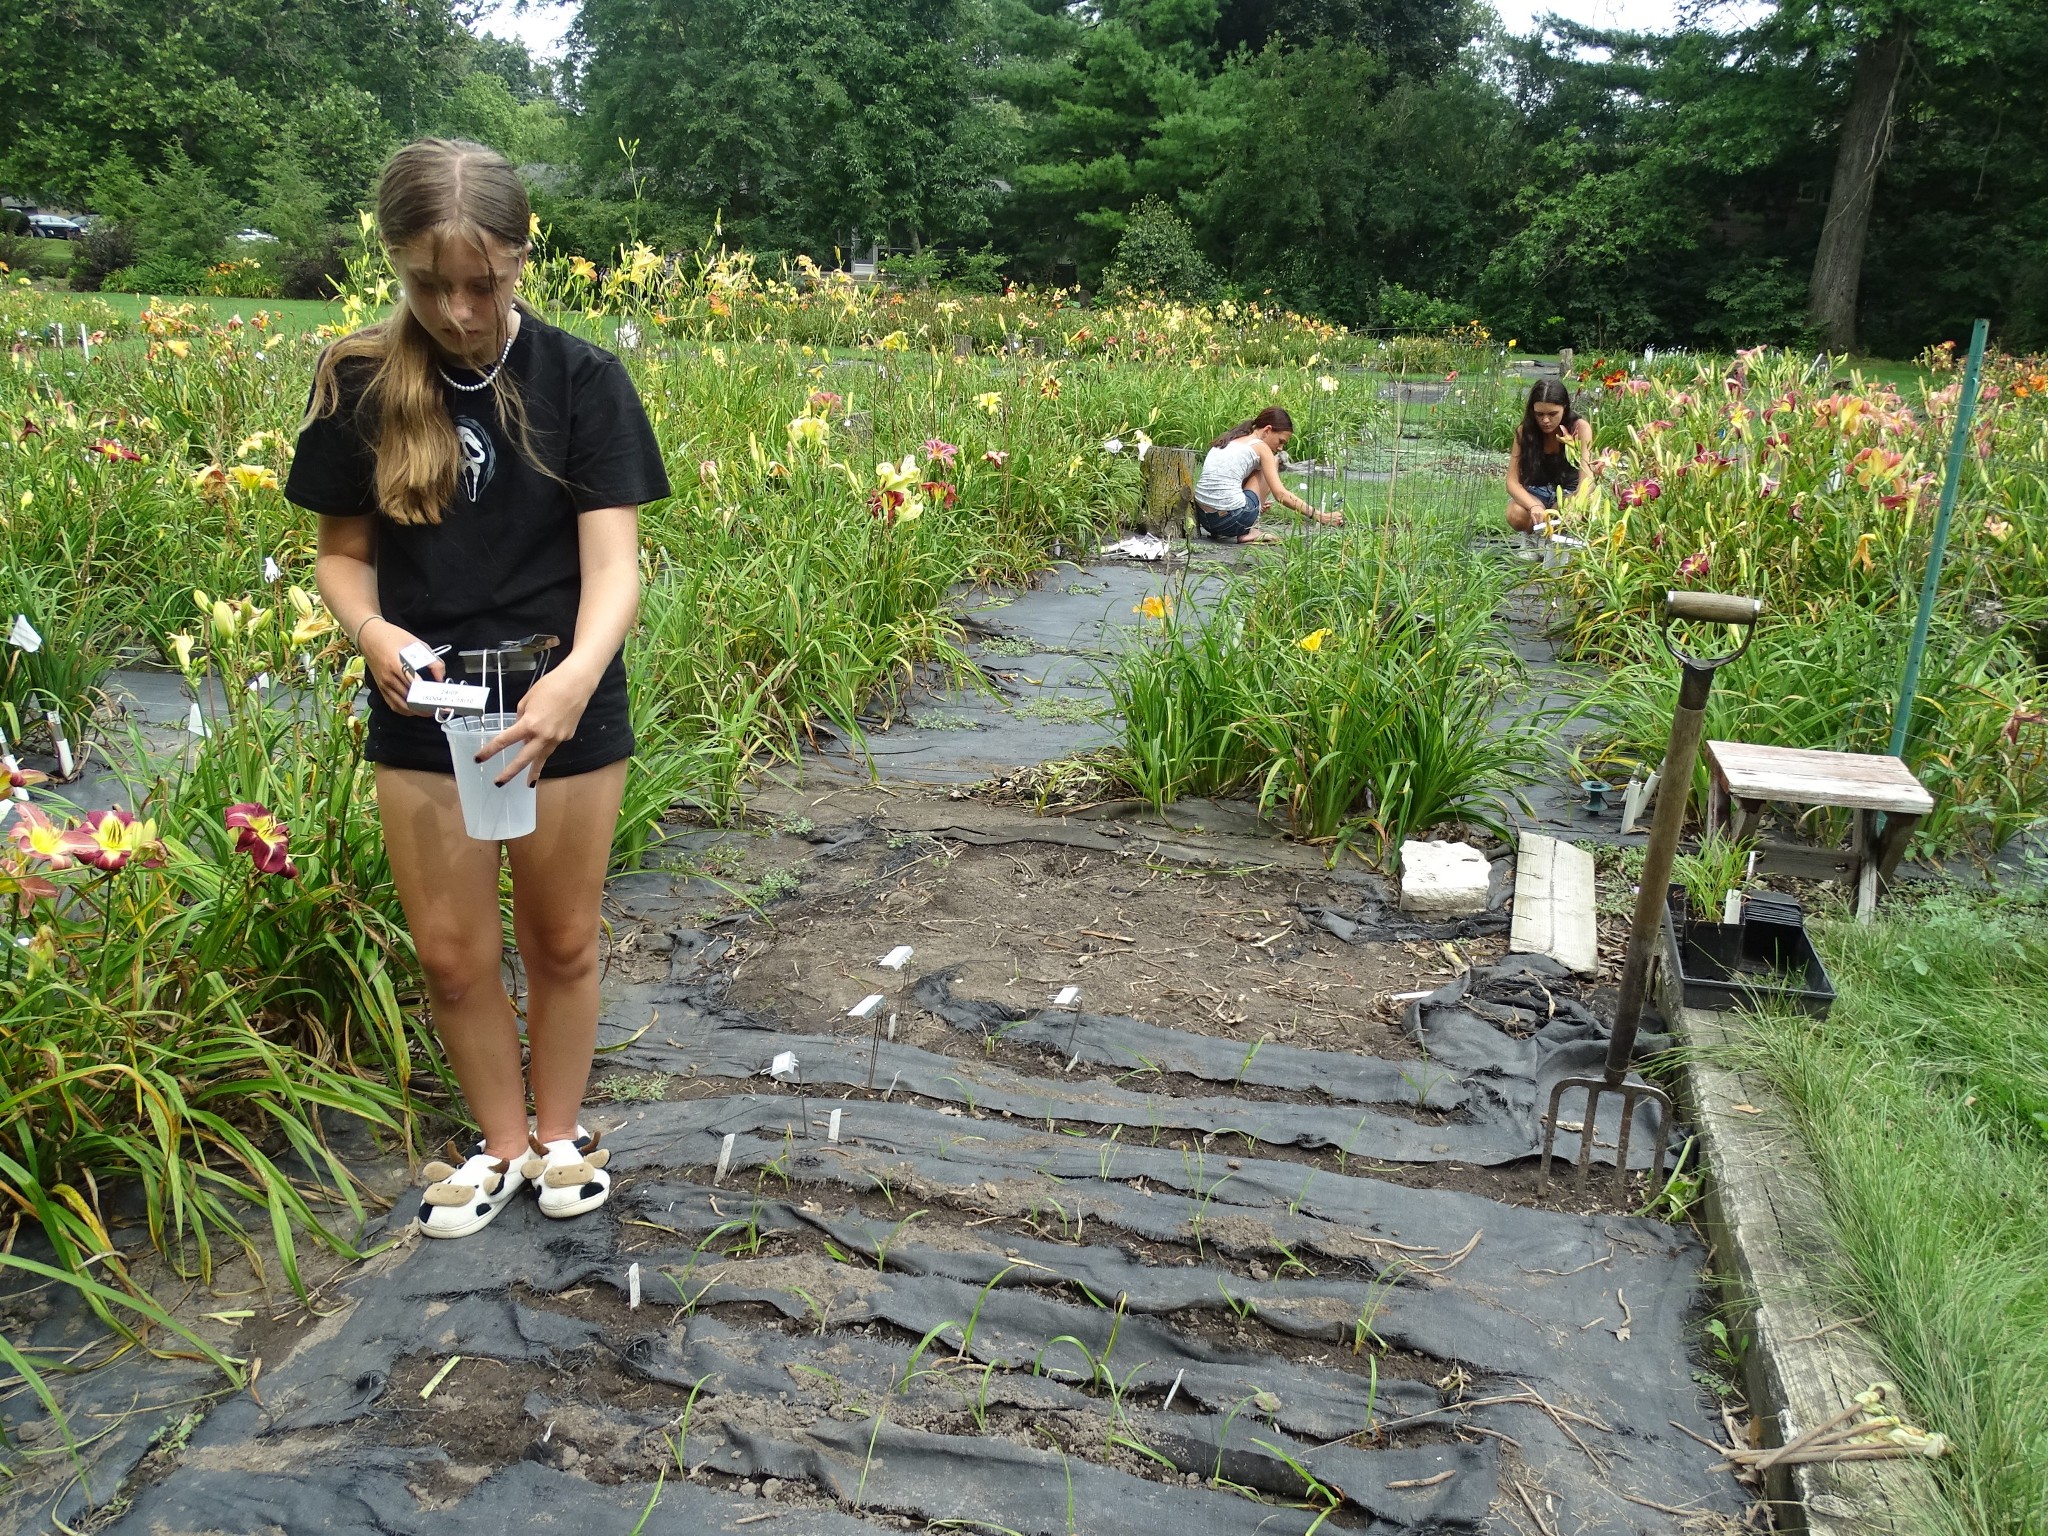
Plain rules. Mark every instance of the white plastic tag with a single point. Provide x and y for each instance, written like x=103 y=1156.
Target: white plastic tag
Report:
x=463 y=698
x=22 y=636
x=865 y=1007
x=418 y=656
x=784 y=1065
x=270 y=570
x=897 y=958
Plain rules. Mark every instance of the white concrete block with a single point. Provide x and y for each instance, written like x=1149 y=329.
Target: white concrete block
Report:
x=1441 y=879
x=1554 y=909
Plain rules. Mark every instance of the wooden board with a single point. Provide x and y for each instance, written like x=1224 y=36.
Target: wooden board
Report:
x=1554 y=903
x=1852 y=780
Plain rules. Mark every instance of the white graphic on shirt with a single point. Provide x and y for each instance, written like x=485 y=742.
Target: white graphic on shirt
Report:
x=479 y=458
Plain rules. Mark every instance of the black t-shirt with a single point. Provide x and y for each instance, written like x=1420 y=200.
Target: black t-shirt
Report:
x=503 y=562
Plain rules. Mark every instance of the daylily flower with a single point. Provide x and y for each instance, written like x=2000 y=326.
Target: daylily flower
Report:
x=117 y=839
x=939 y=451
x=29 y=428
x=990 y=402
x=1144 y=444
x=211 y=482
x=19 y=777
x=823 y=400
x=1313 y=640
x=1049 y=387
x=253 y=477
x=16 y=881
x=1862 y=555
x=707 y=472
x=41 y=839
x=997 y=456
x=1154 y=607
x=940 y=491
x=1693 y=565
x=263 y=837
x=582 y=269
x=181 y=647
x=809 y=431
x=1639 y=493
x=313 y=621
x=2019 y=718
x=1998 y=528
x=1327 y=384
x=108 y=448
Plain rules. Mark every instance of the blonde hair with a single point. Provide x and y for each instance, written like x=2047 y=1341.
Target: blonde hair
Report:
x=436 y=190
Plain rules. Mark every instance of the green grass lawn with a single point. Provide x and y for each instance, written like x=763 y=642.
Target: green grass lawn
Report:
x=1923 y=1099
x=293 y=314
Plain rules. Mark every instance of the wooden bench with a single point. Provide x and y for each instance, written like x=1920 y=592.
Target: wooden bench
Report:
x=1745 y=778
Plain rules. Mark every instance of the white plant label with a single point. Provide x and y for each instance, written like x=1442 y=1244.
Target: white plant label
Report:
x=259 y=683
x=270 y=570
x=633 y=1287
x=1067 y=997
x=6 y=810
x=463 y=698
x=725 y=1155
x=897 y=958
x=783 y=1066
x=865 y=1007
x=23 y=637
x=418 y=656
x=1731 y=908
x=64 y=764
x=195 y=723
x=832 y=1127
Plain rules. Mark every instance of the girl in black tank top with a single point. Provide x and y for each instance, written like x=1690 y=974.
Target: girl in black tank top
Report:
x=1540 y=469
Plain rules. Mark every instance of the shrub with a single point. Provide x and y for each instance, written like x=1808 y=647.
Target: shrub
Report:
x=105 y=248
x=1157 y=255
x=158 y=274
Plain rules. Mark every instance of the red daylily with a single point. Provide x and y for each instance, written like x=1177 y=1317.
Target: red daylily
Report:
x=19 y=777
x=263 y=837
x=15 y=880
x=29 y=428
x=1693 y=565
x=109 y=448
x=2019 y=718
x=117 y=839
x=1640 y=493
x=822 y=400
x=941 y=492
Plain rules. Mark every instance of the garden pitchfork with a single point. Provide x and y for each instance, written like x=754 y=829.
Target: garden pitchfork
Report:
x=1652 y=896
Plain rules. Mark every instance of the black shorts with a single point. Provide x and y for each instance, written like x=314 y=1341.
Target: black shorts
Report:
x=603 y=736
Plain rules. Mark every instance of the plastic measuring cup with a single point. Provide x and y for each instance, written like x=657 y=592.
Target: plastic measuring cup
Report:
x=491 y=812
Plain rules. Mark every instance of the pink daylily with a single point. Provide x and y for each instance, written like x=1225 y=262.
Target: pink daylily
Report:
x=997 y=456
x=263 y=837
x=41 y=839
x=941 y=452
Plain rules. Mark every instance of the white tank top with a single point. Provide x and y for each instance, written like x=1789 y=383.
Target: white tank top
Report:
x=1221 y=486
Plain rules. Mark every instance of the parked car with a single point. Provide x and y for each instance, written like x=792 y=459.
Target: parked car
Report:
x=255 y=236
x=54 y=226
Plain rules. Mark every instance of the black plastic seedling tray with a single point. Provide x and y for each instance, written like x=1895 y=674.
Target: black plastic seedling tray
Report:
x=1766 y=958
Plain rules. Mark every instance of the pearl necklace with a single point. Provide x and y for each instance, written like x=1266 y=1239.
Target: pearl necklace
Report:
x=487 y=380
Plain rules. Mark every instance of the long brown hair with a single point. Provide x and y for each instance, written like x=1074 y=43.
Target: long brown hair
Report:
x=1272 y=416
x=1529 y=437
x=437 y=190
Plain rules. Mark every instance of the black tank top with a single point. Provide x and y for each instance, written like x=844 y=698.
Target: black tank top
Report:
x=1552 y=468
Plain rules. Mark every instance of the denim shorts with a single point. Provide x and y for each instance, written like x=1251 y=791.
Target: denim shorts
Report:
x=1230 y=525
x=1547 y=494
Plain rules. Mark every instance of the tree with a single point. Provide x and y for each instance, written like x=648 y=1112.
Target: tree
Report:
x=185 y=214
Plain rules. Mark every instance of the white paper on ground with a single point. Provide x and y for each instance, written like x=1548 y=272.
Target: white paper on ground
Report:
x=1139 y=546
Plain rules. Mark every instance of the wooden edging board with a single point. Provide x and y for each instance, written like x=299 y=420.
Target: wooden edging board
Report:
x=1773 y=1254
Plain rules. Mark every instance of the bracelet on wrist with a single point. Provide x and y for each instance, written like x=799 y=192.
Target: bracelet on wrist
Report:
x=365 y=625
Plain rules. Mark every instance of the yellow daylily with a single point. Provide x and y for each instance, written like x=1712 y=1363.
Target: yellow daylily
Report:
x=991 y=402
x=254 y=477
x=1154 y=607
x=1313 y=641
x=809 y=431
x=181 y=647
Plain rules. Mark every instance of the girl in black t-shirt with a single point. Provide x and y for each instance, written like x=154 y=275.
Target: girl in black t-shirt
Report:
x=478 y=475
x=1540 y=469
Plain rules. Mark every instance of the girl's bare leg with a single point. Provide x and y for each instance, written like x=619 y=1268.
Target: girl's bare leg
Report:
x=557 y=885
x=448 y=885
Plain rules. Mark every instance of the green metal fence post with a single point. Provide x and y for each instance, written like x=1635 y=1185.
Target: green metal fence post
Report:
x=1958 y=448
